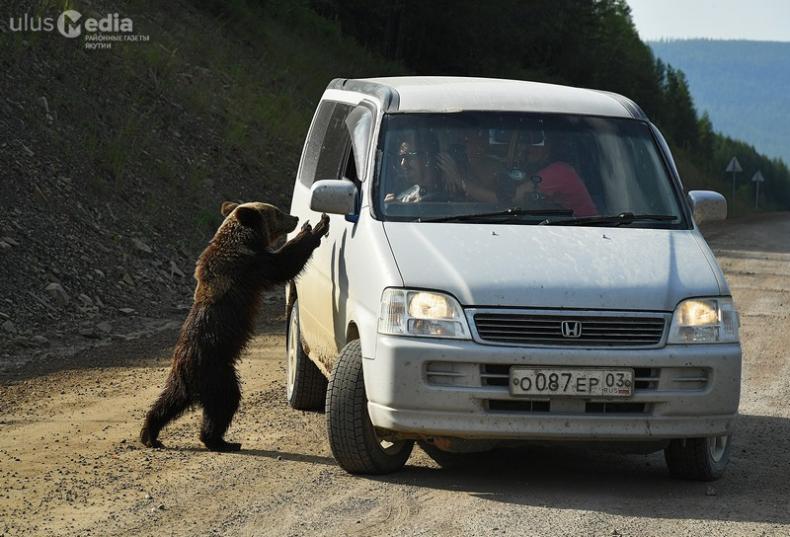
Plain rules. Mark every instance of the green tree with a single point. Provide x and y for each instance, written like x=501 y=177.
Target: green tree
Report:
x=681 y=117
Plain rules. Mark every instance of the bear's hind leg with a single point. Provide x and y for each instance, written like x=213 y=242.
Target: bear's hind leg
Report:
x=172 y=402
x=219 y=406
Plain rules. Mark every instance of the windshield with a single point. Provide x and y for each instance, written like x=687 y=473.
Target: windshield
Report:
x=527 y=166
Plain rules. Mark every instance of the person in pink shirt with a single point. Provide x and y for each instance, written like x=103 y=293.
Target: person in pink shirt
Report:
x=552 y=181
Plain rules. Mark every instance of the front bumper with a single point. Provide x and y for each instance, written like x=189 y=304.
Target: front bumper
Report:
x=430 y=387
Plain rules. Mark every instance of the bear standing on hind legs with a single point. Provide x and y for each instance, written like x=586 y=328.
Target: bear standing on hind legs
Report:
x=231 y=273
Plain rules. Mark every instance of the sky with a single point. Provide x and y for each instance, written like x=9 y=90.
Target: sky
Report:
x=761 y=20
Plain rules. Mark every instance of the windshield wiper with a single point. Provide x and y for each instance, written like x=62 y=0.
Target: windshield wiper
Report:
x=616 y=219
x=513 y=211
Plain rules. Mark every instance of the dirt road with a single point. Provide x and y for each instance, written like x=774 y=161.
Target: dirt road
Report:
x=70 y=463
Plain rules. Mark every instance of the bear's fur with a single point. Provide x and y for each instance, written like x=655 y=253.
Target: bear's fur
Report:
x=231 y=273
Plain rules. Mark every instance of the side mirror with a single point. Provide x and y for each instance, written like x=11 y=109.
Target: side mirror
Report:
x=707 y=205
x=333 y=196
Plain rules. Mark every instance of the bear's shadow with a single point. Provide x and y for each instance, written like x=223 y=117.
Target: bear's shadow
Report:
x=266 y=453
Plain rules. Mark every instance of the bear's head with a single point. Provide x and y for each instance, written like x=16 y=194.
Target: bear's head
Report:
x=263 y=223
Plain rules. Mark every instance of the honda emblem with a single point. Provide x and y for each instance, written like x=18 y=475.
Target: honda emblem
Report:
x=571 y=329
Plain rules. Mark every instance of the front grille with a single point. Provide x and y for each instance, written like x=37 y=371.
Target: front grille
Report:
x=534 y=329
x=495 y=374
x=588 y=407
x=614 y=408
x=498 y=405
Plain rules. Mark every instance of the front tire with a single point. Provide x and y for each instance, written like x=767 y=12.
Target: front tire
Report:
x=305 y=385
x=352 y=437
x=698 y=459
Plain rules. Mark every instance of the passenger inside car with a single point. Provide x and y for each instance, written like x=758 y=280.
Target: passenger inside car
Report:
x=473 y=165
x=419 y=171
x=548 y=179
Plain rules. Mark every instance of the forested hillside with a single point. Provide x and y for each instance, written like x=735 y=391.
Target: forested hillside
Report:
x=743 y=85
x=588 y=43
x=113 y=163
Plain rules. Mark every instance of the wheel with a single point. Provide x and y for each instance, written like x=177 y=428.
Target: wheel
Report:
x=698 y=459
x=352 y=438
x=305 y=384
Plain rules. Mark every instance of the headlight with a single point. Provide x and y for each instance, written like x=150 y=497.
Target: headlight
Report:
x=421 y=313
x=704 y=320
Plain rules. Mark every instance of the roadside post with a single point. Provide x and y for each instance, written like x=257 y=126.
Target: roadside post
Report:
x=757 y=178
x=733 y=167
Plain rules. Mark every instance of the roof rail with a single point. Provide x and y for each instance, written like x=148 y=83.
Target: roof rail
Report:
x=388 y=96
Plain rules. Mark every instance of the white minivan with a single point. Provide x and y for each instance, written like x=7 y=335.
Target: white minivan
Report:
x=507 y=262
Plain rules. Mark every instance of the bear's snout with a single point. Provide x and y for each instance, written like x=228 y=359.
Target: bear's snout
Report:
x=290 y=223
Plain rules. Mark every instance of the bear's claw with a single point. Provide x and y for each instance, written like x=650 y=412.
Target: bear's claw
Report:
x=322 y=227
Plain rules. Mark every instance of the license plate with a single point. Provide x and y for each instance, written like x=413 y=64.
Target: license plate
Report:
x=571 y=381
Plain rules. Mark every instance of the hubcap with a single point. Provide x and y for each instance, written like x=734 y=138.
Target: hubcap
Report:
x=293 y=341
x=716 y=447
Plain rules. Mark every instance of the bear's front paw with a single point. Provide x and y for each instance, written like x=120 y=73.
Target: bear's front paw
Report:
x=306 y=227
x=149 y=441
x=322 y=228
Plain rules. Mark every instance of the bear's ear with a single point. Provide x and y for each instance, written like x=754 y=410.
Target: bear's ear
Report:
x=248 y=216
x=227 y=207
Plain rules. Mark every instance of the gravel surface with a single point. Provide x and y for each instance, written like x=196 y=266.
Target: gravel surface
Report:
x=71 y=464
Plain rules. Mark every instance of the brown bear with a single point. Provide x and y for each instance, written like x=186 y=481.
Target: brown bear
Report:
x=231 y=272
